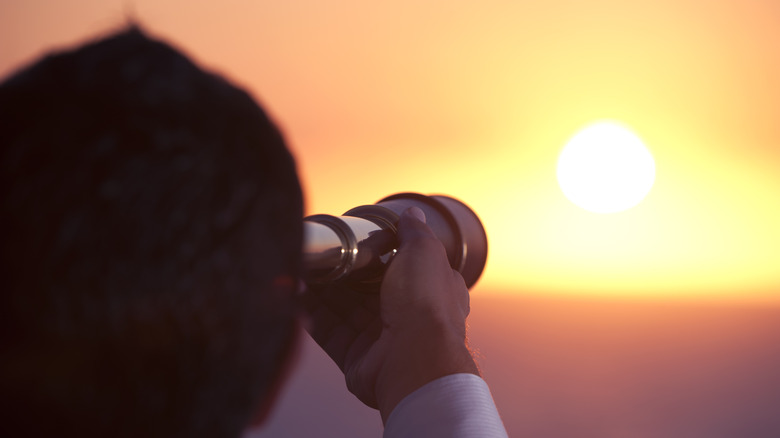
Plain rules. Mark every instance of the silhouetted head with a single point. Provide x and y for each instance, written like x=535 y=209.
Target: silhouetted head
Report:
x=151 y=235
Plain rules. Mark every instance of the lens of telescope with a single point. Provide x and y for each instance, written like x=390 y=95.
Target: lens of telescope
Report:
x=358 y=245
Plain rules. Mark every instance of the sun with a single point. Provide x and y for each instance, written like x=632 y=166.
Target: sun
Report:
x=605 y=168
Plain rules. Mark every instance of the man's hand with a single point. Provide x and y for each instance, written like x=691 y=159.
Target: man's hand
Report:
x=412 y=332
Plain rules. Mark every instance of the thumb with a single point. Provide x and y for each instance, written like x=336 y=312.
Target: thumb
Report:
x=417 y=213
x=412 y=226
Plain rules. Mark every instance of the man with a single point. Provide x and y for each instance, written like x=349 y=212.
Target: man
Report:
x=151 y=254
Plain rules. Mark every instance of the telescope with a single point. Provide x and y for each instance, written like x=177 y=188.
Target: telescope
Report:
x=357 y=246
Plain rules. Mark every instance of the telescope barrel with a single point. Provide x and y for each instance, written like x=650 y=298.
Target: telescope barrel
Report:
x=358 y=245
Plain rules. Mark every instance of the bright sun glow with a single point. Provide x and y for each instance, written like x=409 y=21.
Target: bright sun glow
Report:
x=605 y=168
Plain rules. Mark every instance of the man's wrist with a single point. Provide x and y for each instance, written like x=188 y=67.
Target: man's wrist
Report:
x=420 y=359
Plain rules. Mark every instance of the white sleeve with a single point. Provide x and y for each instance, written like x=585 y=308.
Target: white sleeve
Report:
x=455 y=406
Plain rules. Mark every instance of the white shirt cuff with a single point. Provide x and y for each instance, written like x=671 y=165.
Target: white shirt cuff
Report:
x=454 y=406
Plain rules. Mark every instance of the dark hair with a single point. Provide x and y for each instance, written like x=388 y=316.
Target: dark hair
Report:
x=151 y=221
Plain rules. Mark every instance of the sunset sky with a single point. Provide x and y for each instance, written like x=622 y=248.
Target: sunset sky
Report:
x=658 y=321
x=477 y=99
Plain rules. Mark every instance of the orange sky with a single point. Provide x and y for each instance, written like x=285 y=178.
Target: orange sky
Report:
x=476 y=100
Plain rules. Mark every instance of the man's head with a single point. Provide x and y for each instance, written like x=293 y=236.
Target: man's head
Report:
x=151 y=241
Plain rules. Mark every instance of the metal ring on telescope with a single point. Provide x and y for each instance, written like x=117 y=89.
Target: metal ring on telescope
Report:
x=349 y=244
x=384 y=217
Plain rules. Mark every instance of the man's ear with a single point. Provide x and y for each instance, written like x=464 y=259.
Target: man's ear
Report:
x=286 y=366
